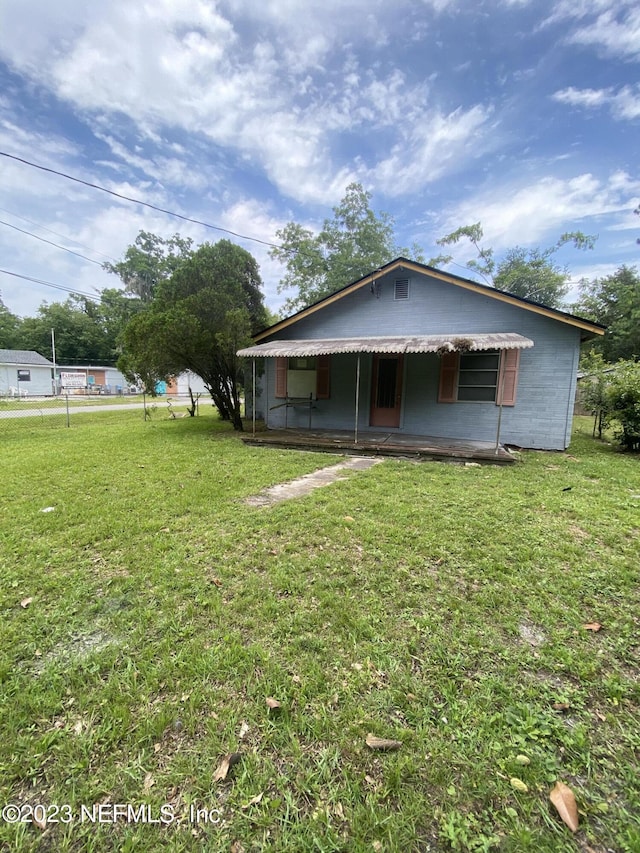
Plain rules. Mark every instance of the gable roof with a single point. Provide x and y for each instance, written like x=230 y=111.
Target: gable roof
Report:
x=587 y=327
x=23 y=356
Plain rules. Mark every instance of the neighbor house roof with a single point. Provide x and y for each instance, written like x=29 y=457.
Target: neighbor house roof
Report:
x=396 y=344
x=588 y=328
x=23 y=356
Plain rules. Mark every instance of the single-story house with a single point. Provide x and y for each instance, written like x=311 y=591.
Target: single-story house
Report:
x=410 y=349
x=88 y=378
x=25 y=373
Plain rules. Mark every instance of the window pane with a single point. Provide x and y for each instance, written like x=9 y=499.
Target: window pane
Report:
x=478 y=377
x=470 y=394
x=479 y=361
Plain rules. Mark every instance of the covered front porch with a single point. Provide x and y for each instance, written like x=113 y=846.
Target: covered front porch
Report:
x=382 y=444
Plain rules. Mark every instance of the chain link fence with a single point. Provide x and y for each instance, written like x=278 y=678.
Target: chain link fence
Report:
x=64 y=410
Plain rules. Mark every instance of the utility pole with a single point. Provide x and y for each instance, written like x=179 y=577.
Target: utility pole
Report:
x=53 y=352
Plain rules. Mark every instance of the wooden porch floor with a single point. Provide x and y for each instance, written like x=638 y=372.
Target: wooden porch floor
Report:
x=383 y=444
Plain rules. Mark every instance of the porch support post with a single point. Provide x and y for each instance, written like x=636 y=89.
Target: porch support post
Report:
x=253 y=407
x=497 y=448
x=500 y=391
x=355 y=432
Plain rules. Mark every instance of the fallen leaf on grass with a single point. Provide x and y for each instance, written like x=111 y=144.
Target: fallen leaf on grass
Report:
x=216 y=581
x=374 y=742
x=523 y=760
x=149 y=782
x=272 y=704
x=225 y=765
x=236 y=847
x=349 y=518
x=565 y=804
x=518 y=785
x=254 y=800
x=592 y=626
x=48 y=509
x=561 y=706
x=244 y=729
x=26 y=602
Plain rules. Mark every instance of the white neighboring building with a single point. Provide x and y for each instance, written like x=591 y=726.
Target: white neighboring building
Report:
x=25 y=373
x=180 y=385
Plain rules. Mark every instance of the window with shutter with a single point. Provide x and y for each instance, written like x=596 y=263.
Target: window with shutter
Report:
x=281 y=376
x=476 y=377
x=509 y=365
x=297 y=377
x=447 y=393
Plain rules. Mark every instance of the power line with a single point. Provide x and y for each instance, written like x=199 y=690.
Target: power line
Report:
x=57 y=233
x=51 y=284
x=138 y=201
x=50 y=242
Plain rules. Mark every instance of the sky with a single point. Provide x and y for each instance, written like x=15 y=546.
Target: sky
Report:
x=523 y=115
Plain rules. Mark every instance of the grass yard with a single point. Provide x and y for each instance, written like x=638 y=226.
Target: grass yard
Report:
x=147 y=614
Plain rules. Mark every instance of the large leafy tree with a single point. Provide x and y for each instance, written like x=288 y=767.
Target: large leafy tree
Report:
x=9 y=328
x=197 y=320
x=149 y=261
x=79 y=336
x=529 y=273
x=614 y=301
x=86 y=331
x=353 y=242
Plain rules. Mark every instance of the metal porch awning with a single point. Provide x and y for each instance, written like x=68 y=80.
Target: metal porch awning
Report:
x=459 y=342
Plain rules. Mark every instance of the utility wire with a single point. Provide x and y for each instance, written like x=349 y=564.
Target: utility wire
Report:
x=57 y=234
x=50 y=242
x=138 y=201
x=51 y=284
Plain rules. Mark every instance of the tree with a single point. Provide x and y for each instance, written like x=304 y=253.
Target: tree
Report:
x=624 y=403
x=197 y=320
x=86 y=331
x=529 y=273
x=9 y=328
x=149 y=261
x=351 y=244
x=79 y=336
x=614 y=301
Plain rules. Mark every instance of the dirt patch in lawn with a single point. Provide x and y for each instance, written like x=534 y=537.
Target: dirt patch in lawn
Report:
x=303 y=485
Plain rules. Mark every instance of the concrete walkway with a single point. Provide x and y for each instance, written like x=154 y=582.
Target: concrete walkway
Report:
x=303 y=485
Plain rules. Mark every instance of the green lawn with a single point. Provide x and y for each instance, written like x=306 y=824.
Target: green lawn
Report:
x=439 y=605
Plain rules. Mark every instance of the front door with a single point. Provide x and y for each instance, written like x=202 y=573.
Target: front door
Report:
x=386 y=390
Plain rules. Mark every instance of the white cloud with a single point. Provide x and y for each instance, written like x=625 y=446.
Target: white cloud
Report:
x=616 y=37
x=279 y=101
x=624 y=104
x=430 y=148
x=611 y=25
x=530 y=214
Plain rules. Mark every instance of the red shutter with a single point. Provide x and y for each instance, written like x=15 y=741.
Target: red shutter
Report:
x=322 y=377
x=508 y=381
x=448 y=391
x=281 y=376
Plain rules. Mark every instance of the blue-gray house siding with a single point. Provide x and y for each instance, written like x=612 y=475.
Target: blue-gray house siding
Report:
x=542 y=414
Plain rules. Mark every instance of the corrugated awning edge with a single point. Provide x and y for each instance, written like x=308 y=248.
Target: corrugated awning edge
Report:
x=459 y=342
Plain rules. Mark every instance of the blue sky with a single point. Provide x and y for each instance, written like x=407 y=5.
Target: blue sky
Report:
x=521 y=114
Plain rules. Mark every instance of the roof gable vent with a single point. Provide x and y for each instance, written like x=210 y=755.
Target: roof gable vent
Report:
x=401 y=288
